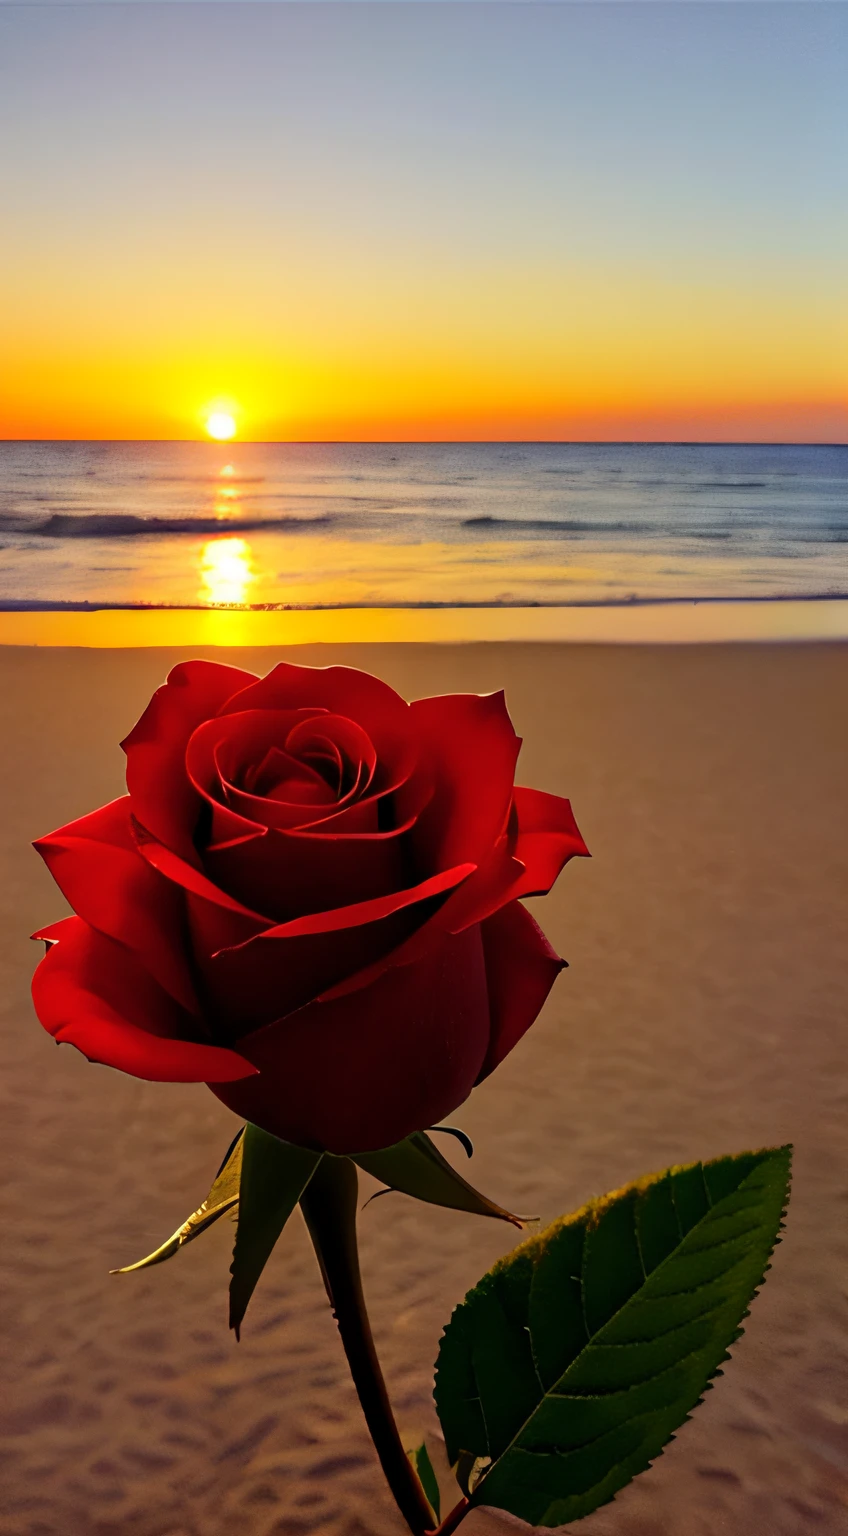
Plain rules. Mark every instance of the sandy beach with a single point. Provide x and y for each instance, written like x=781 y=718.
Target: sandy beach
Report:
x=703 y=1012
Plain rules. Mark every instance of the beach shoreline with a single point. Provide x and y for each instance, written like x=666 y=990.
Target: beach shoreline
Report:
x=666 y=622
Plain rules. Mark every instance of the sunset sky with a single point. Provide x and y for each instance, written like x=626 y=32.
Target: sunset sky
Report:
x=425 y=221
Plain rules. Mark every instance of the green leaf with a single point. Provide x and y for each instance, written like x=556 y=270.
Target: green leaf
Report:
x=416 y=1167
x=420 y=1459
x=222 y=1197
x=274 y=1175
x=577 y=1357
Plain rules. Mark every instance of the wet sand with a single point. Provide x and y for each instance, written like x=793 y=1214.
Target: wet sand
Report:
x=704 y=1012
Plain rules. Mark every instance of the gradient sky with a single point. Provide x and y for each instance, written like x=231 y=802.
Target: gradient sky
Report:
x=418 y=221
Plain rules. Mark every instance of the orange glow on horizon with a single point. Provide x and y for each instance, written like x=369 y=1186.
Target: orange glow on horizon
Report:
x=49 y=399
x=791 y=421
x=579 y=358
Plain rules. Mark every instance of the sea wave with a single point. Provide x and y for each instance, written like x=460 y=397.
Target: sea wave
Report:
x=559 y=524
x=108 y=525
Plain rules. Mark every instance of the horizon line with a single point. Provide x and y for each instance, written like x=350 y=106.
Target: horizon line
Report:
x=446 y=442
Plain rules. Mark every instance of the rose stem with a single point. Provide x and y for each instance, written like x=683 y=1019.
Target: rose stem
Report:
x=329 y=1206
x=451 y=1521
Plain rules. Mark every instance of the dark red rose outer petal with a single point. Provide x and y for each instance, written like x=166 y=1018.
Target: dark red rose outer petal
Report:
x=163 y=800
x=495 y=882
x=471 y=749
x=100 y=872
x=258 y=981
x=527 y=861
x=90 y=992
x=367 y=1071
x=521 y=968
x=548 y=836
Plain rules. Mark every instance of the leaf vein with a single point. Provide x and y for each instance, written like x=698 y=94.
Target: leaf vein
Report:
x=706 y=1187
x=638 y=1241
x=609 y=1392
x=654 y=1338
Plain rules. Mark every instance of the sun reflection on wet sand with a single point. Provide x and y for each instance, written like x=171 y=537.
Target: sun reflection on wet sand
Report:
x=654 y=624
x=226 y=569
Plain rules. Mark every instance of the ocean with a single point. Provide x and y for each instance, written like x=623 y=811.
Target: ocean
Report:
x=416 y=525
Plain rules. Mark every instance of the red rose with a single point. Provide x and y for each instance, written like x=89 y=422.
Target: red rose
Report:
x=308 y=900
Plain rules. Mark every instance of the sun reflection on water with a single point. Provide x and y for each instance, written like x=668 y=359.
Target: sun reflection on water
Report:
x=226 y=495
x=226 y=570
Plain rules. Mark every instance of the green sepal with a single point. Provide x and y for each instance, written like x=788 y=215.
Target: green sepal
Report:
x=416 y=1167
x=222 y=1197
x=420 y=1459
x=274 y=1175
x=577 y=1357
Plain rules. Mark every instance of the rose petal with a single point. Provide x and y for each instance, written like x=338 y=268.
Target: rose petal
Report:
x=344 y=740
x=356 y=695
x=249 y=988
x=521 y=968
x=91 y=993
x=267 y=977
x=220 y=753
x=541 y=838
x=163 y=800
x=289 y=874
x=288 y=809
x=283 y=774
x=221 y=750
x=100 y=872
x=381 y=712
x=392 y=808
x=471 y=749
x=193 y=881
x=364 y=912
x=548 y=836
x=365 y=1072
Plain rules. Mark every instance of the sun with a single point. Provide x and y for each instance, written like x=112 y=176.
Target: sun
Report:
x=221 y=425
